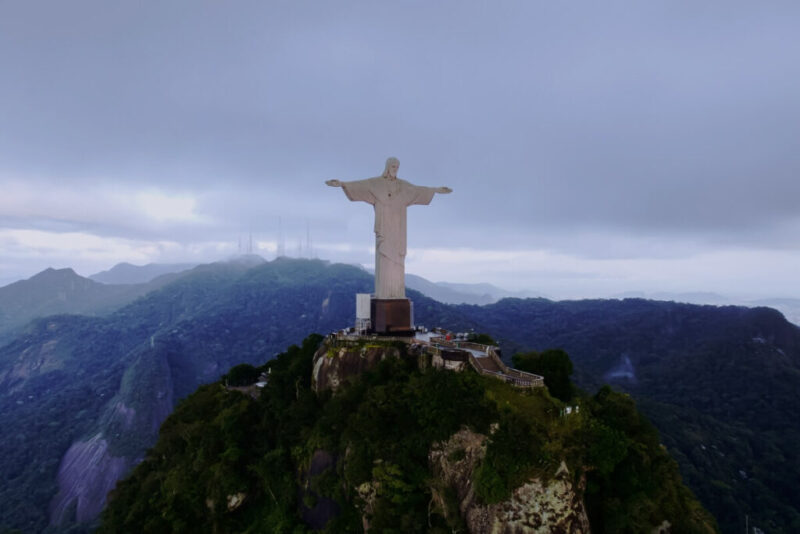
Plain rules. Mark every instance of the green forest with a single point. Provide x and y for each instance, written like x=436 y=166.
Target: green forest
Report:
x=228 y=462
x=719 y=383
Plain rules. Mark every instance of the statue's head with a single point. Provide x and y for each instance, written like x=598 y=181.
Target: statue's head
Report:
x=392 y=164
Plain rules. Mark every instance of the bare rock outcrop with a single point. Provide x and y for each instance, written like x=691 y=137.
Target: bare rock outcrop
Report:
x=535 y=507
x=86 y=474
x=91 y=467
x=334 y=366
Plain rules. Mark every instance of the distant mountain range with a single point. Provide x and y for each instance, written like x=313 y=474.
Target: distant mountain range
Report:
x=789 y=307
x=55 y=291
x=82 y=396
x=479 y=294
x=450 y=293
x=126 y=273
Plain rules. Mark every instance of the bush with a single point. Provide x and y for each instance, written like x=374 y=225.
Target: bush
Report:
x=243 y=374
x=554 y=365
x=483 y=339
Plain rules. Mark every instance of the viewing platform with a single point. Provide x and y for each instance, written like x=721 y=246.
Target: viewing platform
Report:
x=449 y=352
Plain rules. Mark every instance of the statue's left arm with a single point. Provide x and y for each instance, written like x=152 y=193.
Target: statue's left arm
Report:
x=420 y=194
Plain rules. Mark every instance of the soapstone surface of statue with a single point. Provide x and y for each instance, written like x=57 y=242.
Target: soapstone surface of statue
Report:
x=390 y=196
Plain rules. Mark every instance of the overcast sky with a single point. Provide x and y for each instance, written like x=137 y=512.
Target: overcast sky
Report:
x=593 y=147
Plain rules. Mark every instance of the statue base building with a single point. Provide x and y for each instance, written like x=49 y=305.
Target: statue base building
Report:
x=392 y=316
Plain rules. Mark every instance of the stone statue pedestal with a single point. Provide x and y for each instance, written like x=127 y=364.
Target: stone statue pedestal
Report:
x=392 y=317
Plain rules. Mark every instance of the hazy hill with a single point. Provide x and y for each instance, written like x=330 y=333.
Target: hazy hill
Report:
x=446 y=294
x=721 y=384
x=56 y=291
x=787 y=306
x=86 y=395
x=450 y=293
x=493 y=291
x=126 y=273
x=696 y=297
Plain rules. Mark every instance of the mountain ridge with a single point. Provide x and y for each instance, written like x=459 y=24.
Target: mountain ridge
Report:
x=219 y=315
x=127 y=273
x=57 y=291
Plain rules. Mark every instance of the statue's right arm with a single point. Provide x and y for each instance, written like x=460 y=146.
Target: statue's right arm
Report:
x=333 y=183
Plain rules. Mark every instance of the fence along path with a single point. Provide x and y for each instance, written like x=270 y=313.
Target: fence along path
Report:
x=484 y=359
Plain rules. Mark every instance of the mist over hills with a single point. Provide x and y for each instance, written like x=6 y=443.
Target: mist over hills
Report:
x=84 y=395
x=55 y=291
x=126 y=273
x=451 y=293
x=87 y=394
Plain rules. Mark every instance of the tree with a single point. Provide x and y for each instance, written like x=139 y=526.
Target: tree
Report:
x=554 y=365
x=243 y=374
x=483 y=339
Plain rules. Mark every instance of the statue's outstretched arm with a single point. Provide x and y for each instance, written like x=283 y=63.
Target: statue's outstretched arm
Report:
x=443 y=190
x=333 y=183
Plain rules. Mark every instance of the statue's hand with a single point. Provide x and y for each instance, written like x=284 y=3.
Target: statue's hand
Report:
x=333 y=183
x=444 y=190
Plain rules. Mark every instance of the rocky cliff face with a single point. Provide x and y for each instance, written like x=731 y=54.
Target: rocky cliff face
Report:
x=538 y=506
x=87 y=473
x=91 y=466
x=335 y=366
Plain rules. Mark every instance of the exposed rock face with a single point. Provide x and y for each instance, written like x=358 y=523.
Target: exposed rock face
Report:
x=335 y=366
x=86 y=474
x=535 y=507
x=89 y=470
x=35 y=360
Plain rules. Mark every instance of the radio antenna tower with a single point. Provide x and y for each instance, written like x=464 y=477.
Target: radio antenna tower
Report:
x=309 y=249
x=281 y=244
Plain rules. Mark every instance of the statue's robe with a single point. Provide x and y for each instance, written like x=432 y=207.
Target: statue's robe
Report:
x=390 y=198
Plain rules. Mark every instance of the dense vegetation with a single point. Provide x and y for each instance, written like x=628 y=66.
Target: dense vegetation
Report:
x=553 y=365
x=221 y=443
x=720 y=384
x=63 y=377
x=57 y=291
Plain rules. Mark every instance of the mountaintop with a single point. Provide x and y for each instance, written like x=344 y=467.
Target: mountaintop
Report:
x=401 y=447
x=126 y=273
x=55 y=291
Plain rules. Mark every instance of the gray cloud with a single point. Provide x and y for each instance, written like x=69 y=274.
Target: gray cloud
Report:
x=667 y=121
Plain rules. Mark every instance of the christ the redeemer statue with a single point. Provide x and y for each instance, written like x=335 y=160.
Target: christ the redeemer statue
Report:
x=390 y=196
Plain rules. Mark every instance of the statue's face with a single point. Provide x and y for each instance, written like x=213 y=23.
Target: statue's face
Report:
x=392 y=169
